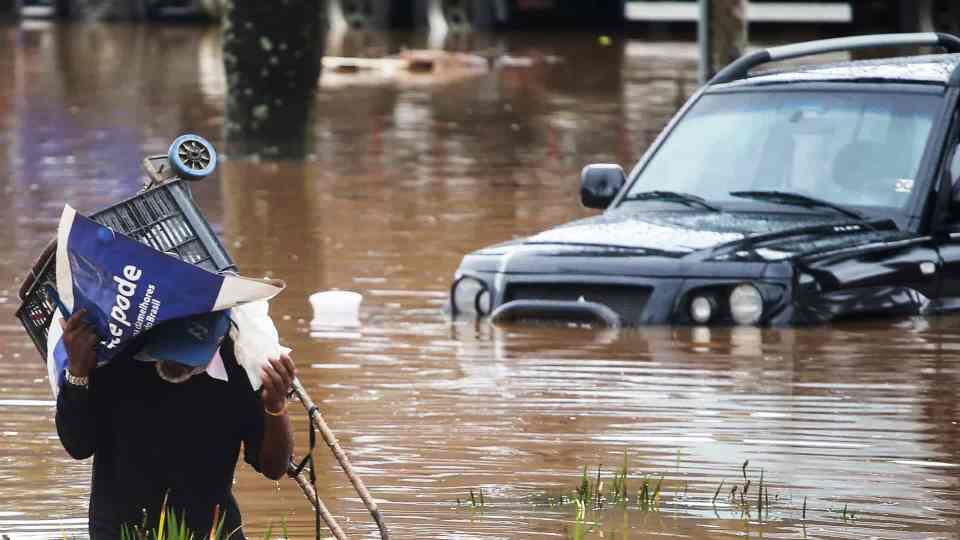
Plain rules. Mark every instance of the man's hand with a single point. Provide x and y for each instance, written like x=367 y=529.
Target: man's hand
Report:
x=80 y=342
x=277 y=444
x=277 y=377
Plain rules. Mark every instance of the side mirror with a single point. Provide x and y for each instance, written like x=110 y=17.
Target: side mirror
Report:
x=600 y=183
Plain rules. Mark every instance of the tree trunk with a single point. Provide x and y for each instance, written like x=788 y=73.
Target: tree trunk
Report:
x=271 y=52
x=723 y=34
x=8 y=9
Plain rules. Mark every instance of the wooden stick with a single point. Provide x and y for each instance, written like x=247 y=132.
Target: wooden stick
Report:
x=318 y=504
x=331 y=440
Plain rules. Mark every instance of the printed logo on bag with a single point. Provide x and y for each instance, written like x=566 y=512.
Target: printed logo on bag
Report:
x=147 y=309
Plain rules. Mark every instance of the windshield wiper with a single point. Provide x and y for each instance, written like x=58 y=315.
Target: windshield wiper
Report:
x=688 y=199
x=797 y=199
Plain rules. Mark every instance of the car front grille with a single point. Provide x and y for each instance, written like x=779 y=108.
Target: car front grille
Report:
x=627 y=301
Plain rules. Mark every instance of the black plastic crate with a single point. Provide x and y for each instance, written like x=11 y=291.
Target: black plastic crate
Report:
x=163 y=217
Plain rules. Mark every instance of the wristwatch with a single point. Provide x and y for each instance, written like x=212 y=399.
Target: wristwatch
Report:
x=73 y=380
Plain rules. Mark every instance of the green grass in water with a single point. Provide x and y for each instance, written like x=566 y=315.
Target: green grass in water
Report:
x=170 y=527
x=751 y=498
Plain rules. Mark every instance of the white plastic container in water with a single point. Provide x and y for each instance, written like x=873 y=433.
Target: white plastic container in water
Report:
x=335 y=309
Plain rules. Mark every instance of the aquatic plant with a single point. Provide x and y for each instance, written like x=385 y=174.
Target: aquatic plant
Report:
x=846 y=514
x=585 y=489
x=580 y=525
x=648 y=498
x=749 y=497
x=474 y=500
x=170 y=527
x=618 y=488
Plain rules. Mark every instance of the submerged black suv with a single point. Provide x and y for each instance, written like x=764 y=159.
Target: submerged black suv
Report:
x=788 y=197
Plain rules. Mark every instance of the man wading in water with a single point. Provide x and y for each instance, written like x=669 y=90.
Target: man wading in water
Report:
x=161 y=430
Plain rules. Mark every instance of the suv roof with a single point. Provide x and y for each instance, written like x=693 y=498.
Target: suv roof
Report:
x=929 y=69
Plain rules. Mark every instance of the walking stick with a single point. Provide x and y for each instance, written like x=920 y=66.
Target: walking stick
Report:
x=317 y=422
x=314 y=499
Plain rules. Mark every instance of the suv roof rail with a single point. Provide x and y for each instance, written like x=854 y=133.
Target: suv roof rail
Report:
x=739 y=68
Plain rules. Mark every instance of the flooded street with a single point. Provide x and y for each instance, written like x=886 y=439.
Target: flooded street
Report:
x=854 y=426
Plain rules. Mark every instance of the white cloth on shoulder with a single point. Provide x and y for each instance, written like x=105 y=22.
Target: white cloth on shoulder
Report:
x=255 y=339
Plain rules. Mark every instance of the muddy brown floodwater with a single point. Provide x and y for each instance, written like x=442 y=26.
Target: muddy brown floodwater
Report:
x=402 y=179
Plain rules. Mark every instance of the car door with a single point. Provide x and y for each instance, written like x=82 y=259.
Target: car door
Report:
x=949 y=237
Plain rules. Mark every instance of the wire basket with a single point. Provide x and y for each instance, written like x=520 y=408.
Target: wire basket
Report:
x=163 y=217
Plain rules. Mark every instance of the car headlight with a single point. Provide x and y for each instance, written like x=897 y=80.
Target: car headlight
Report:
x=746 y=304
x=470 y=297
x=702 y=309
x=484 y=301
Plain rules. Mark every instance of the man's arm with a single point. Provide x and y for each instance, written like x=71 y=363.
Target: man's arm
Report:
x=277 y=445
x=76 y=422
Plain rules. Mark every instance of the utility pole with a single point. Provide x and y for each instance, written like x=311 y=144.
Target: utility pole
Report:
x=721 y=34
x=272 y=53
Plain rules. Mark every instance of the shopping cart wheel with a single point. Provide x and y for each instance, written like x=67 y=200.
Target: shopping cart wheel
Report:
x=192 y=157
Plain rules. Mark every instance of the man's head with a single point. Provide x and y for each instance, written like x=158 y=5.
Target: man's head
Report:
x=184 y=347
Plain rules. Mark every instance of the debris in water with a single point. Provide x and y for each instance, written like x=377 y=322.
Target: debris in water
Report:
x=414 y=66
x=340 y=309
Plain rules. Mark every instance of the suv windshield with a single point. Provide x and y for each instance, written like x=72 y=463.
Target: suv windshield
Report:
x=859 y=149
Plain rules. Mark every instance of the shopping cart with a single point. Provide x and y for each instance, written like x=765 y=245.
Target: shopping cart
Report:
x=162 y=215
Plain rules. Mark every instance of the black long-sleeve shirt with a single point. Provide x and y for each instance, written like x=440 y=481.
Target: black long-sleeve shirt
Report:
x=150 y=439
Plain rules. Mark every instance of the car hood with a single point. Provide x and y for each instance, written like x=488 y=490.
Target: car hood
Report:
x=680 y=233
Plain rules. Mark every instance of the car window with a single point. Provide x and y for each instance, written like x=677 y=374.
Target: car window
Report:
x=851 y=148
x=954 y=169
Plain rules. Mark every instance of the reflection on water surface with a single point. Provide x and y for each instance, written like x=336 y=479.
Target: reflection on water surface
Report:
x=403 y=180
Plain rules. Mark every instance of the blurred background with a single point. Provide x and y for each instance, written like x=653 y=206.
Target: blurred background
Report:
x=369 y=145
